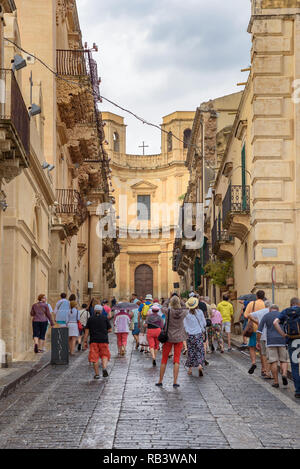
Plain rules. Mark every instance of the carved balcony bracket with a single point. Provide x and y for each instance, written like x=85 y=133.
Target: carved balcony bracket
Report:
x=81 y=250
x=238 y=226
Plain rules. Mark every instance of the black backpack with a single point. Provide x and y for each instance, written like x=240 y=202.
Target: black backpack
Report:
x=292 y=323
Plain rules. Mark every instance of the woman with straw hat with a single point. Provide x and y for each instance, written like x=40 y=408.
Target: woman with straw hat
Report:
x=195 y=324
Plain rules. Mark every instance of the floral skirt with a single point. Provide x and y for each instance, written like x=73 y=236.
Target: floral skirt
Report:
x=196 y=354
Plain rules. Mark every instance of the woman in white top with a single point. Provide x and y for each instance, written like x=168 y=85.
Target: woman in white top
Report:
x=195 y=324
x=72 y=324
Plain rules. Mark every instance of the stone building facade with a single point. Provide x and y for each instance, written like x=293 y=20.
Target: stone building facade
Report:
x=253 y=213
x=53 y=167
x=212 y=124
x=158 y=181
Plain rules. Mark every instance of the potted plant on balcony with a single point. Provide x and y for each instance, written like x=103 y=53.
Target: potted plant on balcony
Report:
x=219 y=272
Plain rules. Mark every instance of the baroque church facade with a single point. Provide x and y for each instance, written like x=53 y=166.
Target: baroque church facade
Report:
x=148 y=190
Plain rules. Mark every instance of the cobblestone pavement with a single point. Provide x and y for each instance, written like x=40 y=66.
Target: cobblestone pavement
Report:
x=63 y=407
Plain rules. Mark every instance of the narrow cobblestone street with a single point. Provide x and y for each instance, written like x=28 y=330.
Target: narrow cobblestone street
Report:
x=63 y=407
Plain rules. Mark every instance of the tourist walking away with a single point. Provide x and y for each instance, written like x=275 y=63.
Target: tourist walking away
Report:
x=276 y=346
x=176 y=335
x=72 y=324
x=91 y=307
x=262 y=343
x=143 y=310
x=121 y=324
x=289 y=319
x=203 y=307
x=113 y=302
x=215 y=332
x=135 y=321
x=195 y=324
x=97 y=328
x=251 y=328
x=83 y=318
x=226 y=310
x=40 y=316
x=244 y=321
x=154 y=324
x=61 y=310
x=106 y=311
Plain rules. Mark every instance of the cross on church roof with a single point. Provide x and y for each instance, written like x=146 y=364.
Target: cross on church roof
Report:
x=143 y=147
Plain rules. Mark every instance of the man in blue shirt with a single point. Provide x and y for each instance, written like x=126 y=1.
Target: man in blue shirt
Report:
x=293 y=344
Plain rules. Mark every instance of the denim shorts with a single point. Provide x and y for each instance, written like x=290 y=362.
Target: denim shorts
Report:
x=136 y=330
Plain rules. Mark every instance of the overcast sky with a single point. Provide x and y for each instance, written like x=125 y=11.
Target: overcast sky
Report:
x=160 y=56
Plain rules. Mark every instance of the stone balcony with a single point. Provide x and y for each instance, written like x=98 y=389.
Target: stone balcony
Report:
x=14 y=128
x=236 y=211
x=81 y=125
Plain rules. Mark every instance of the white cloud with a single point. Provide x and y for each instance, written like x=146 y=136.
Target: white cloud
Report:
x=159 y=56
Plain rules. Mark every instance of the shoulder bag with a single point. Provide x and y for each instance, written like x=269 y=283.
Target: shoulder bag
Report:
x=80 y=326
x=249 y=329
x=163 y=336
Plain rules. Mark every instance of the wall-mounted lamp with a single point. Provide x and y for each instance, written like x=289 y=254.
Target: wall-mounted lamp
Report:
x=88 y=204
x=48 y=166
x=18 y=62
x=3 y=205
x=34 y=110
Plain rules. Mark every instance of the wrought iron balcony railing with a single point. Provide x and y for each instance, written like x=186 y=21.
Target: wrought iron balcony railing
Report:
x=13 y=112
x=219 y=236
x=73 y=63
x=71 y=203
x=236 y=201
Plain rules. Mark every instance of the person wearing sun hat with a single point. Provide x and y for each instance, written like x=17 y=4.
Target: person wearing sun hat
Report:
x=195 y=324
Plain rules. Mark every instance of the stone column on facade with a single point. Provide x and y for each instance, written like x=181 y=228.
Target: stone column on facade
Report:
x=95 y=254
x=164 y=271
x=297 y=144
x=274 y=154
x=57 y=274
x=123 y=275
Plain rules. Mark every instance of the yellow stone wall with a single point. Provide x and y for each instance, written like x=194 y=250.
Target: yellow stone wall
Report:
x=268 y=122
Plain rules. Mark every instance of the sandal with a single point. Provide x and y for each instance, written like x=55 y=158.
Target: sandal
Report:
x=190 y=373
x=185 y=352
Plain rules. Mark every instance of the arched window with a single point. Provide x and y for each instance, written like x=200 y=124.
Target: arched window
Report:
x=116 y=142
x=187 y=137
x=170 y=141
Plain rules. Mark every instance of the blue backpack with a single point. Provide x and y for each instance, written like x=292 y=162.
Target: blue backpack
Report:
x=292 y=323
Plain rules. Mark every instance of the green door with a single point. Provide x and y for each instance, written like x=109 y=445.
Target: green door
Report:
x=244 y=195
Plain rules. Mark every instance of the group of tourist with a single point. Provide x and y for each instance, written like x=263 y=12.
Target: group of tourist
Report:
x=66 y=314
x=193 y=327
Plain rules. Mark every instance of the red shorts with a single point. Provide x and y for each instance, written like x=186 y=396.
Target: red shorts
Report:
x=98 y=351
x=167 y=347
x=122 y=338
x=152 y=336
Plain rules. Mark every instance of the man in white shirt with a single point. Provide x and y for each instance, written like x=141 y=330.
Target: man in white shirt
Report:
x=62 y=310
x=257 y=317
